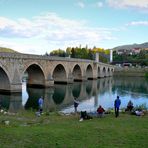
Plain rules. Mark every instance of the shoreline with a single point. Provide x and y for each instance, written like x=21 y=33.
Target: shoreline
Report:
x=130 y=71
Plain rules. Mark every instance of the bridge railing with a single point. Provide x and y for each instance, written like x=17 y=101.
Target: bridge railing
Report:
x=44 y=57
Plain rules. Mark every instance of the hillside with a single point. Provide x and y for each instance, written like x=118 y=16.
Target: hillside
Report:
x=142 y=46
x=3 y=49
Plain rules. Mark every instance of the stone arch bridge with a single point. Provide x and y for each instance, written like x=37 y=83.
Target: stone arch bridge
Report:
x=44 y=71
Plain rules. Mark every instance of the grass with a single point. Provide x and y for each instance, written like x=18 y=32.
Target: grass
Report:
x=62 y=131
x=3 y=49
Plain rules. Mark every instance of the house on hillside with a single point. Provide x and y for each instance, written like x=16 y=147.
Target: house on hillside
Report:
x=124 y=51
x=121 y=51
x=136 y=50
x=146 y=49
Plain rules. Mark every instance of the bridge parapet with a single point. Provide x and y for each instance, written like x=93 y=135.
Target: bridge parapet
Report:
x=40 y=57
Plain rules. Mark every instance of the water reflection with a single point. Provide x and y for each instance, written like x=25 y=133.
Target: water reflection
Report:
x=34 y=95
x=12 y=103
x=59 y=94
x=5 y=101
x=91 y=94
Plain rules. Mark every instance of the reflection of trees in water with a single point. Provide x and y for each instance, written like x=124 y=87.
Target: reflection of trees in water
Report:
x=76 y=89
x=5 y=101
x=130 y=84
x=34 y=94
x=59 y=93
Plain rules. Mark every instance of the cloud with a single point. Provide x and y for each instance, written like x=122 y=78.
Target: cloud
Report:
x=20 y=28
x=81 y=4
x=138 y=23
x=136 y=4
x=49 y=31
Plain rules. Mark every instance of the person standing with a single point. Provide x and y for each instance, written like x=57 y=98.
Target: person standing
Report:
x=76 y=103
x=40 y=104
x=117 y=104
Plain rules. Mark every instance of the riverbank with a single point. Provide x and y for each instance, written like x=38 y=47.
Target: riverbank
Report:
x=66 y=131
x=130 y=71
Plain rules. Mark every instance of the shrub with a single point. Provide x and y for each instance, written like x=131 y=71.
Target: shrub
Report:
x=146 y=74
x=141 y=107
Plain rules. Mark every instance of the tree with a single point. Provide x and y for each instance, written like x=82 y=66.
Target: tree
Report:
x=73 y=53
x=59 y=52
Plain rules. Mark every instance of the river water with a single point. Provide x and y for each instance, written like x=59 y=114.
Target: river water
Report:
x=90 y=95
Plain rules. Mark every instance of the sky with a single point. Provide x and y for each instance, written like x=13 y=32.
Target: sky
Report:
x=40 y=26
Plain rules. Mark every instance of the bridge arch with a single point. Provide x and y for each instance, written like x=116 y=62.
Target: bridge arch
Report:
x=108 y=72
x=36 y=75
x=4 y=80
x=99 y=72
x=59 y=74
x=104 y=72
x=89 y=72
x=77 y=73
x=111 y=71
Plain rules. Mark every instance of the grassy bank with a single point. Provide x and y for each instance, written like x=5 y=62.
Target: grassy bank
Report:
x=61 y=131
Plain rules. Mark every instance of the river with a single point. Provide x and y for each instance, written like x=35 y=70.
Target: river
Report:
x=90 y=95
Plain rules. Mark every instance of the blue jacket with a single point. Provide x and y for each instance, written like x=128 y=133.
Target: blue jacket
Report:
x=117 y=103
x=40 y=102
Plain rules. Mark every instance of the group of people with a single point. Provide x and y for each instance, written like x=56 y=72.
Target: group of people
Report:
x=100 y=109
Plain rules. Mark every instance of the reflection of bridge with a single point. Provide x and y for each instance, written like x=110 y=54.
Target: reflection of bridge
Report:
x=61 y=95
x=44 y=71
x=81 y=90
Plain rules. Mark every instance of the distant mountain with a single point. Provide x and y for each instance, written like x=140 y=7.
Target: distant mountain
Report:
x=128 y=47
x=3 y=49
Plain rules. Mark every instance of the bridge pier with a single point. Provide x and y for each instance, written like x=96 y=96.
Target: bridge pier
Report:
x=70 y=78
x=48 y=99
x=15 y=103
x=15 y=87
x=49 y=83
x=83 y=78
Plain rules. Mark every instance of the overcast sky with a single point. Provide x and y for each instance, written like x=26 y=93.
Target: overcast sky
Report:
x=39 y=26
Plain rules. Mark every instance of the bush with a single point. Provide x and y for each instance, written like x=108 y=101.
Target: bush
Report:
x=146 y=74
x=141 y=107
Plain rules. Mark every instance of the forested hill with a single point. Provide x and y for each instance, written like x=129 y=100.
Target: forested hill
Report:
x=3 y=49
x=128 y=47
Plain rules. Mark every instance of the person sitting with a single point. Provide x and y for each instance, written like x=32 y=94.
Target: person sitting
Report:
x=129 y=106
x=84 y=116
x=139 y=112
x=100 y=111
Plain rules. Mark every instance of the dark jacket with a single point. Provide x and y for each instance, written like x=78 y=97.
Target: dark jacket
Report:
x=76 y=103
x=117 y=103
